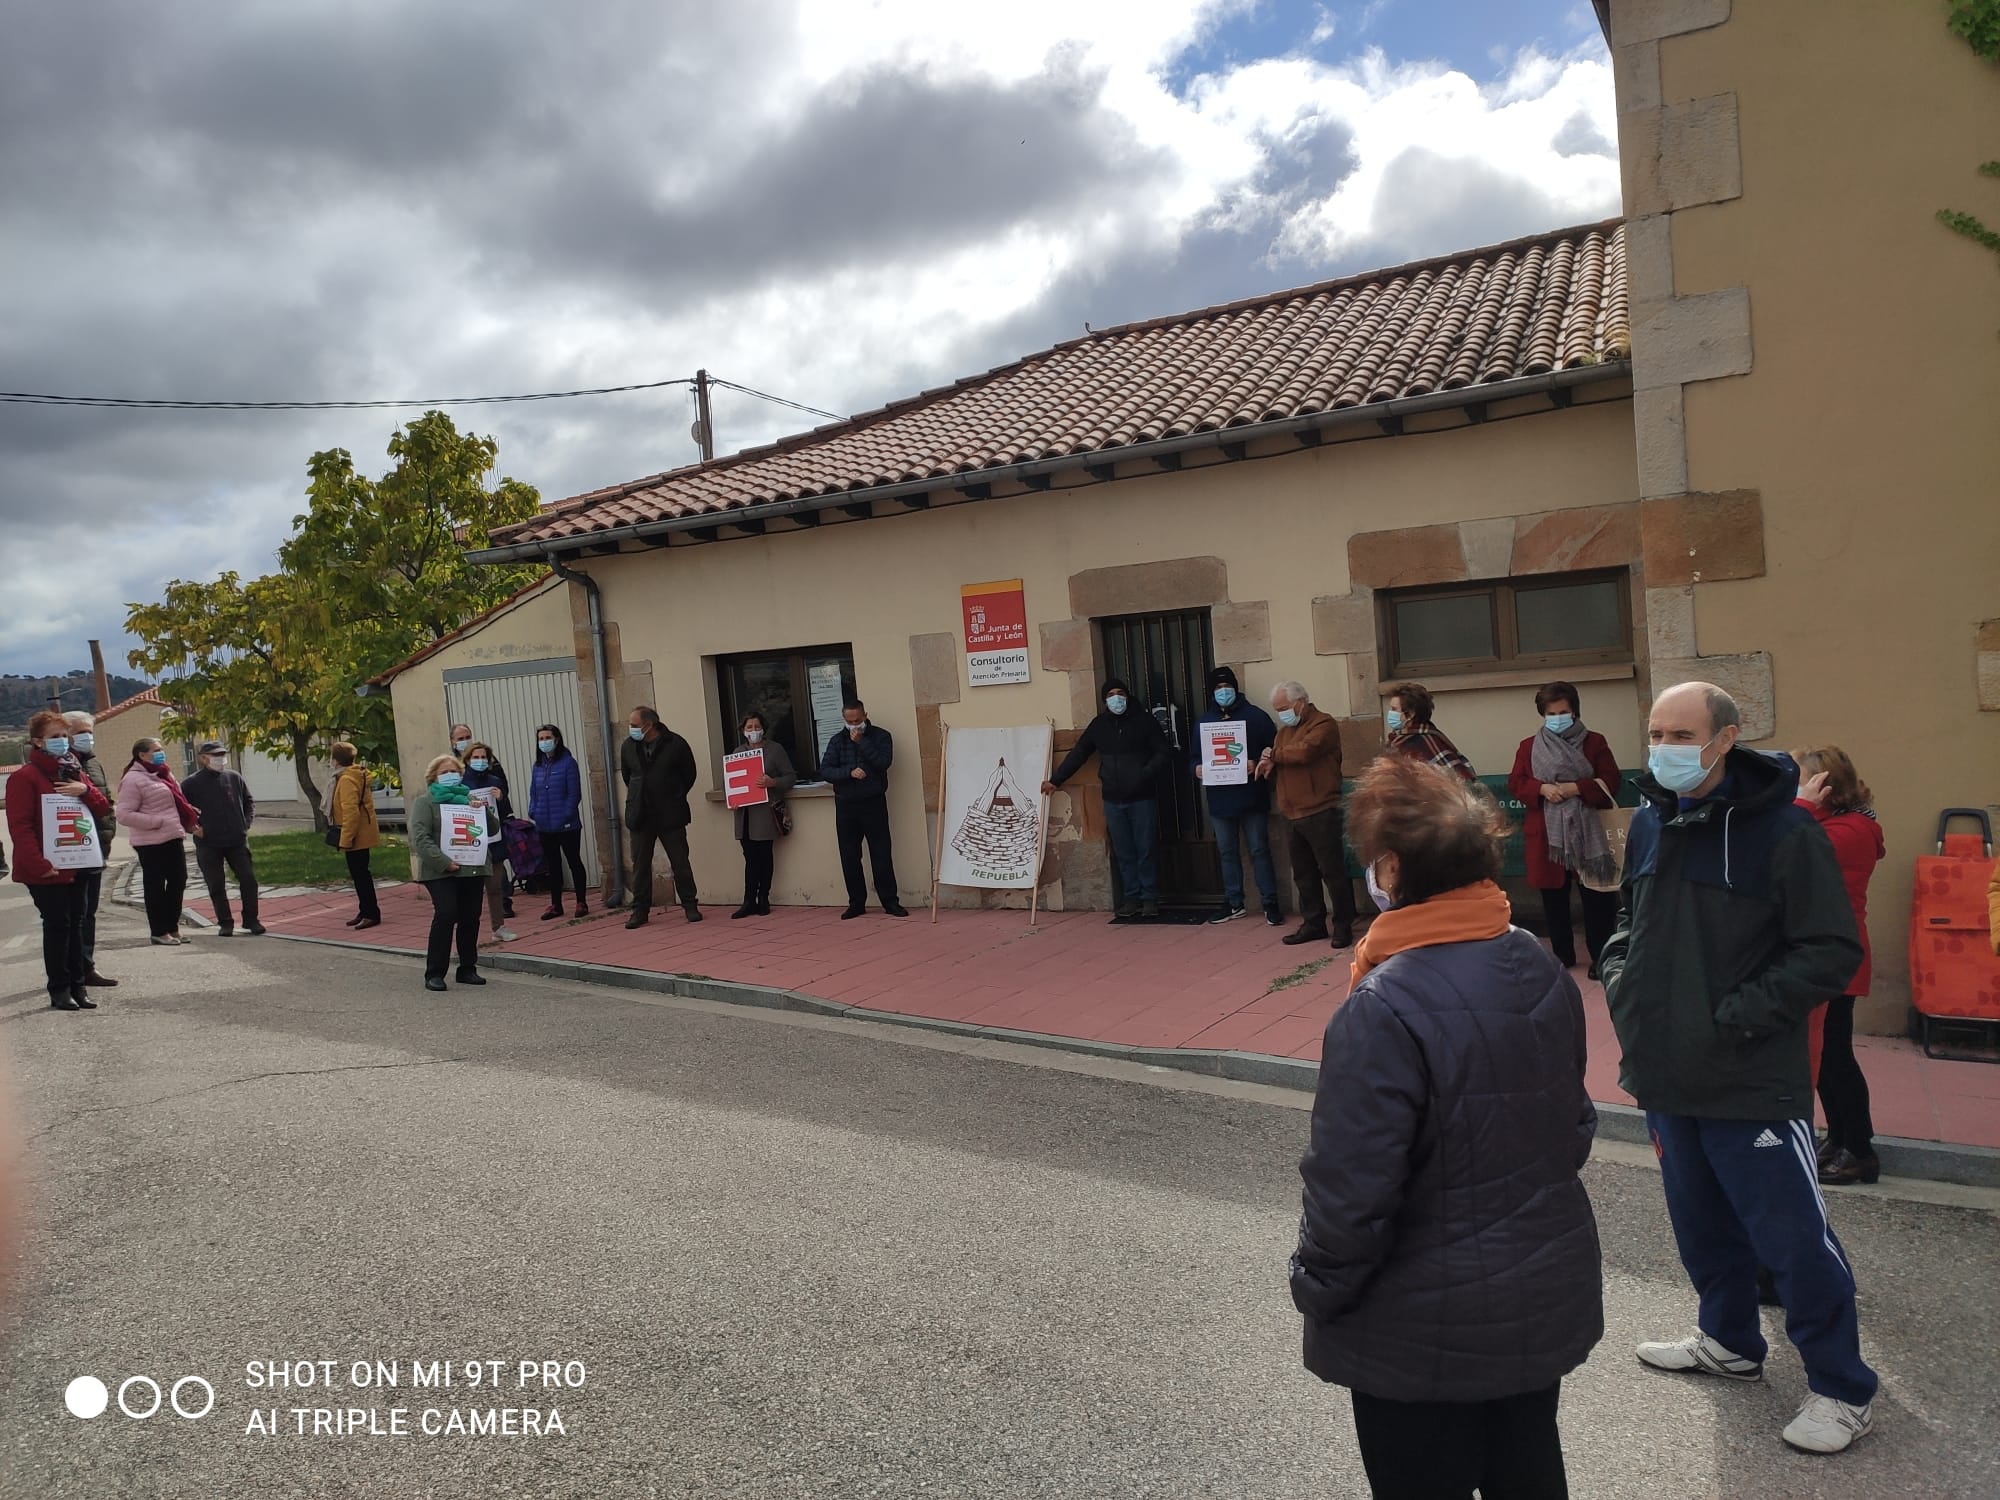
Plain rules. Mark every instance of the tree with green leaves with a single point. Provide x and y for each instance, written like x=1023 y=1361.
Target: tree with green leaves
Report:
x=374 y=570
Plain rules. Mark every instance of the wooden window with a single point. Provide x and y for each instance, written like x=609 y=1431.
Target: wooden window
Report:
x=1566 y=619
x=799 y=693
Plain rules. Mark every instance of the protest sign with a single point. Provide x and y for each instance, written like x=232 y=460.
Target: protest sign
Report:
x=1225 y=759
x=462 y=833
x=741 y=771
x=69 y=834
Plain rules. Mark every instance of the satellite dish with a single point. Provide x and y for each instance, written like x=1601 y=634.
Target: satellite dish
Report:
x=699 y=433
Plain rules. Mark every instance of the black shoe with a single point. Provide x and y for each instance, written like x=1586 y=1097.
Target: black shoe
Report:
x=63 y=1002
x=1846 y=1169
x=1825 y=1152
x=1312 y=933
x=1227 y=912
x=1124 y=913
x=433 y=984
x=896 y=911
x=367 y=922
x=1272 y=916
x=852 y=912
x=255 y=929
x=82 y=998
x=552 y=913
x=763 y=906
x=582 y=908
x=1567 y=960
x=637 y=919
x=353 y=922
x=747 y=909
x=1343 y=934
x=1149 y=911
x=507 y=909
x=1767 y=1288
x=1593 y=974
x=469 y=976
x=693 y=913
x=223 y=930
x=97 y=981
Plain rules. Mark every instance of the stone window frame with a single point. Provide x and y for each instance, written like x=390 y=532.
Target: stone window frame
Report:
x=1549 y=663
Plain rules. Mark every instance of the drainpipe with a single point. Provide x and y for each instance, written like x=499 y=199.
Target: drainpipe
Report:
x=611 y=820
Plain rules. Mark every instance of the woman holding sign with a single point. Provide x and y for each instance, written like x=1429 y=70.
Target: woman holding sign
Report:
x=757 y=821
x=51 y=813
x=449 y=835
x=156 y=816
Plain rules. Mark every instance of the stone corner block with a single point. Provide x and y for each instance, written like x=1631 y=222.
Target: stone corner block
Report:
x=1659 y=430
x=1649 y=261
x=1406 y=556
x=1649 y=20
x=1141 y=588
x=1747 y=678
x=1681 y=155
x=934 y=668
x=1989 y=682
x=1670 y=623
x=1706 y=337
x=1635 y=76
x=1487 y=546
x=1066 y=646
x=1344 y=623
x=1702 y=538
x=1242 y=632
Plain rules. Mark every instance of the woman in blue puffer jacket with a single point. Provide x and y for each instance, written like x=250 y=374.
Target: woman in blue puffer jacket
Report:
x=555 y=807
x=1448 y=1264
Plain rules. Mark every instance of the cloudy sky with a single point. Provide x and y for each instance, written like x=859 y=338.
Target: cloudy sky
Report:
x=841 y=201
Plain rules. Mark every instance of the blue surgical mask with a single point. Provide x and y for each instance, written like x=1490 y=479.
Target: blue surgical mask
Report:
x=1382 y=899
x=547 y=747
x=461 y=746
x=57 y=745
x=85 y=743
x=449 y=778
x=1678 y=768
x=159 y=757
x=636 y=733
x=1558 y=723
x=1225 y=697
x=1394 y=720
x=1289 y=717
x=1117 y=703
x=480 y=763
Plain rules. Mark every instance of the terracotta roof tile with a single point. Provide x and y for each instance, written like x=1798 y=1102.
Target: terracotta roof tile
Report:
x=1554 y=302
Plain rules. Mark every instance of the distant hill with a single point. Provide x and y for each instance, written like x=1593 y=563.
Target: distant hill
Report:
x=22 y=697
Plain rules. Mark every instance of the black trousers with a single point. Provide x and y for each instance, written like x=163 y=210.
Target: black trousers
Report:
x=211 y=862
x=1600 y=919
x=364 y=884
x=865 y=820
x=759 y=862
x=1319 y=860
x=164 y=872
x=675 y=842
x=455 y=902
x=1442 y=1450
x=557 y=847
x=91 y=882
x=62 y=908
x=1843 y=1089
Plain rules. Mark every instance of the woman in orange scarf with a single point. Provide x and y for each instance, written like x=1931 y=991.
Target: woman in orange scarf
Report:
x=1448 y=1264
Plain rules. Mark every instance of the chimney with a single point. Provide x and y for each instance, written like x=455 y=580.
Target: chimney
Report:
x=102 y=682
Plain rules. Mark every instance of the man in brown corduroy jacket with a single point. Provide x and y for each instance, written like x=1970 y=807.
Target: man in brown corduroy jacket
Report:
x=1305 y=770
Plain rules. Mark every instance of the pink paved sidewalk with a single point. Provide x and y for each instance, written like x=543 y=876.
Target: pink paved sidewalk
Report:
x=1233 y=987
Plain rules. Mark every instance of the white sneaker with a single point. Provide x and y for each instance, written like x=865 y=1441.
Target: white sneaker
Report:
x=1703 y=1356
x=507 y=935
x=1825 y=1425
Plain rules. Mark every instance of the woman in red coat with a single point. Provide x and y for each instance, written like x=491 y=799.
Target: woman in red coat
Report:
x=1837 y=796
x=1562 y=774
x=58 y=895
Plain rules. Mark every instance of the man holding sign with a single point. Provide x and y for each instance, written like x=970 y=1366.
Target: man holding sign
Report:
x=52 y=813
x=1233 y=736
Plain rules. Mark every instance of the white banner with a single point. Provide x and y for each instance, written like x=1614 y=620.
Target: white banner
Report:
x=69 y=834
x=993 y=807
x=462 y=833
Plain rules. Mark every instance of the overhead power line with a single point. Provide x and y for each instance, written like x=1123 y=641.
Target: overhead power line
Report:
x=147 y=403
x=780 y=400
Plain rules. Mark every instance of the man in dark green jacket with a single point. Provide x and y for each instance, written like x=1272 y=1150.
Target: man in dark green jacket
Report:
x=1736 y=924
x=658 y=768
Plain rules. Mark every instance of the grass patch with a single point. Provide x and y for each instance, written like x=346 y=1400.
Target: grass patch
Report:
x=1300 y=975
x=301 y=857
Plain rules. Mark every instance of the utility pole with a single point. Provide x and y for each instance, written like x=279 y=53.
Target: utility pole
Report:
x=704 y=428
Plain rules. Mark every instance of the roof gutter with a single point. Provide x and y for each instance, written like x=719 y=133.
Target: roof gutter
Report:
x=611 y=819
x=1318 y=422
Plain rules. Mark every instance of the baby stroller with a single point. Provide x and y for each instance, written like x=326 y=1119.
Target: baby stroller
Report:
x=524 y=853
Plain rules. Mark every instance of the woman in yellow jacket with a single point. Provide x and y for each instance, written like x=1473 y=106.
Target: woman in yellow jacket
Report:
x=351 y=820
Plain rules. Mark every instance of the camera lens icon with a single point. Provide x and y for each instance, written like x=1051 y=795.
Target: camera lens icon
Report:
x=87 y=1397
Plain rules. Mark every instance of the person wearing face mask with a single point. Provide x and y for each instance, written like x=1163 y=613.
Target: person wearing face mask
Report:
x=1563 y=775
x=856 y=765
x=156 y=817
x=757 y=827
x=1736 y=925
x=454 y=889
x=461 y=741
x=351 y=818
x=52 y=769
x=555 y=807
x=1134 y=759
x=83 y=745
x=483 y=773
x=223 y=799
x=1304 y=765
x=1240 y=812
x=1407 y=722
x=1448 y=1267
x=659 y=772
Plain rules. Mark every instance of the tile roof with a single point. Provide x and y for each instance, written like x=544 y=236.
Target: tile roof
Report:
x=150 y=695
x=1553 y=302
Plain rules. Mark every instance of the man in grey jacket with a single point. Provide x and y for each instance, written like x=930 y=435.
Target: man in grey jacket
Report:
x=223 y=799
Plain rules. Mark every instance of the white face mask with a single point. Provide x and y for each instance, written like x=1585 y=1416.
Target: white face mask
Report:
x=1382 y=899
x=754 y=736
x=85 y=743
x=218 y=762
x=858 y=724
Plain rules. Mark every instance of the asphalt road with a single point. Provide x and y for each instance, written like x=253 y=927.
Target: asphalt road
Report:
x=779 y=1256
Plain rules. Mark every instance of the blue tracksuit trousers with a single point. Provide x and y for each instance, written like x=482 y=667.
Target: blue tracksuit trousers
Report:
x=1745 y=1192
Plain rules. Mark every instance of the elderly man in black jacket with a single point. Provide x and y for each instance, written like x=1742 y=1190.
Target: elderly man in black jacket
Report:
x=1134 y=759
x=856 y=765
x=658 y=768
x=1736 y=925
x=223 y=799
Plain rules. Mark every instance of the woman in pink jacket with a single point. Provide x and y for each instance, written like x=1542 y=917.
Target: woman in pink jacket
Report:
x=154 y=816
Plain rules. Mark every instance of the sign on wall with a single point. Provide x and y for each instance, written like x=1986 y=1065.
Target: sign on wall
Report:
x=69 y=834
x=996 y=632
x=991 y=807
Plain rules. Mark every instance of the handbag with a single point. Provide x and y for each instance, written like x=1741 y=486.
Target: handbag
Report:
x=333 y=835
x=781 y=818
x=1617 y=824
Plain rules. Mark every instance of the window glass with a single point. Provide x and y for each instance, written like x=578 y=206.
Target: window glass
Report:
x=799 y=693
x=1456 y=627
x=1573 y=617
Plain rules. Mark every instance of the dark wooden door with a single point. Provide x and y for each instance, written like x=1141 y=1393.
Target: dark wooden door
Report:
x=1165 y=657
